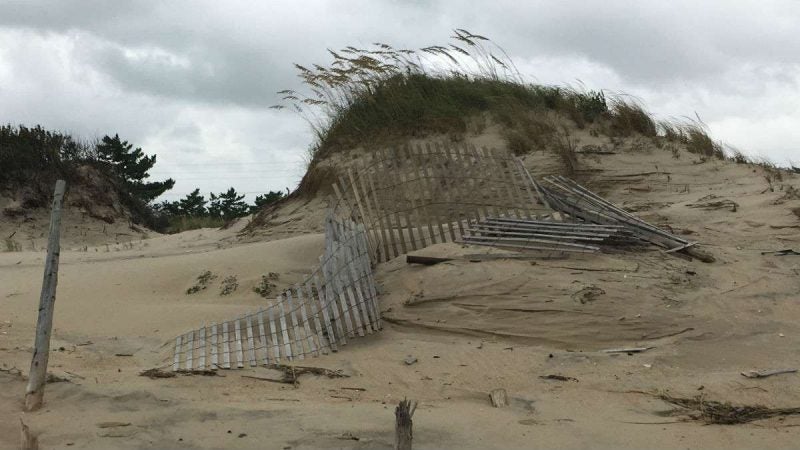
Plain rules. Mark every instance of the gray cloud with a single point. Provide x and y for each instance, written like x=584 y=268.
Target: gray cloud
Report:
x=192 y=81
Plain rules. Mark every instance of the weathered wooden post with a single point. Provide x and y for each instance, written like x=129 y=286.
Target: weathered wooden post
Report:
x=37 y=377
x=403 y=424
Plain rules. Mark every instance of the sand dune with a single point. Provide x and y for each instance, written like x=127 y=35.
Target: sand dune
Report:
x=473 y=327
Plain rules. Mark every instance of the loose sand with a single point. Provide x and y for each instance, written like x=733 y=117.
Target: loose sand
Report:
x=473 y=326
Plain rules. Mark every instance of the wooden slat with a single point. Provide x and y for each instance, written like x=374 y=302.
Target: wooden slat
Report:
x=313 y=306
x=429 y=210
x=523 y=180
x=287 y=346
x=297 y=338
x=379 y=244
x=214 y=347
x=532 y=182
x=391 y=244
x=332 y=340
x=382 y=241
x=362 y=207
x=344 y=266
x=190 y=351
x=471 y=182
x=511 y=171
x=329 y=302
x=456 y=173
x=446 y=192
x=176 y=362
x=410 y=179
x=355 y=282
x=262 y=337
x=251 y=347
x=487 y=185
x=390 y=189
x=528 y=233
x=371 y=285
x=328 y=299
x=226 y=347
x=339 y=288
x=429 y=176
x=499 y=172
x=361 y=277
x=237 y=327
x=402 y=203
x=273 y=330
x=301 y=304
x=201 y=349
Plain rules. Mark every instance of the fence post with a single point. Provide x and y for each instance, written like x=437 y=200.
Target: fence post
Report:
x=37 y=377
x=403 y=424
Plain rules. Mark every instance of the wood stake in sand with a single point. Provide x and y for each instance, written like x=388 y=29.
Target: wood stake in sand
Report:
x=403 y=424
x=27 y=440
x=34 y=394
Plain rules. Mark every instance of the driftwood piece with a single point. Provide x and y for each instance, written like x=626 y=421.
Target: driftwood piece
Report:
x=499 y=398
x=27 y=440
x=627 y=350
x=34 y=393
x=403 y=424
x=766 y=373
x=425 y=260
x=558 y=378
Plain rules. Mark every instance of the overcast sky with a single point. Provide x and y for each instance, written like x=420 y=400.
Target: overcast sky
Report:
x=193 y=81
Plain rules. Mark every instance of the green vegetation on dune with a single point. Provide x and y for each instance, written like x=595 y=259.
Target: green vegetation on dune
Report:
x=379 y=94
x=31 y=159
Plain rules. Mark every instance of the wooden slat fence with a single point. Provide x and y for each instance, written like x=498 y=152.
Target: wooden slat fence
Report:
x=411 y=197
x=336 y=302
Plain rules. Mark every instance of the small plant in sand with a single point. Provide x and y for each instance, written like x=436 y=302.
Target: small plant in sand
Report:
x=265 y=287
x=203 y=281
x=12 y=245
x=229 y=285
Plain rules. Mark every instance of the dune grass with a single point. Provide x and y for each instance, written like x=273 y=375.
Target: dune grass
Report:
x=379 y=94
x=178 y=224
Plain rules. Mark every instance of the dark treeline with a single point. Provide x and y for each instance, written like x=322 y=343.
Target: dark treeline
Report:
x=33 y=158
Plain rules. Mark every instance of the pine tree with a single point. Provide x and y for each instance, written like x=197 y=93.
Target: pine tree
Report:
x=132 y=165
x=228 y=205
x=168 y=208
x=266 y=199
x=193 y=204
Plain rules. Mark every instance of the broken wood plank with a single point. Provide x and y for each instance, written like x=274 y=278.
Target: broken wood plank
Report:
x=425 y=260
x=499 y=398
x=627 y=350
x=766 y=373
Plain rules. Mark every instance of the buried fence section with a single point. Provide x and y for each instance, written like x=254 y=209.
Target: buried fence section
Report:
x=337 y=300
x=413 y=196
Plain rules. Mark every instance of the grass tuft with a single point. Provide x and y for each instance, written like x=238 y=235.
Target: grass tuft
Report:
x=628 y=117
x=178 y=224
